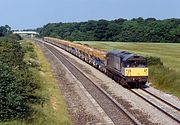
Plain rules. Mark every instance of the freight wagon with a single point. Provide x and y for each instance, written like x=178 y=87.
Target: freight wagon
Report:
x=125 y=68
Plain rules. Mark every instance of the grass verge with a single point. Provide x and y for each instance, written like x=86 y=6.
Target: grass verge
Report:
x=54 y=110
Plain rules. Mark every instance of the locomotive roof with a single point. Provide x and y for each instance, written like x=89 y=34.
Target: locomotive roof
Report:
x=123 y=54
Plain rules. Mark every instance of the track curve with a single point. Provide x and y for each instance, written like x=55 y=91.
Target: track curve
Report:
x=113 y=109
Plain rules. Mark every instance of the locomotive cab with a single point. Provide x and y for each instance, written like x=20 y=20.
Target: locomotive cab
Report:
x=128 y=68
x=136 y=67
x=136 y=71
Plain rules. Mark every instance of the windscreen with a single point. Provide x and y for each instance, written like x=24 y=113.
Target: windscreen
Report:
x=136 y=63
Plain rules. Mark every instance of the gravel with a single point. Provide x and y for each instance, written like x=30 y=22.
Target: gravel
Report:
x=168 y=97
x=163 y=106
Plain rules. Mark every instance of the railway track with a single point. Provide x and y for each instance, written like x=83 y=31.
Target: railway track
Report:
x=111 y=107
x=114 y=118
x=162 y=100
x=160 y=104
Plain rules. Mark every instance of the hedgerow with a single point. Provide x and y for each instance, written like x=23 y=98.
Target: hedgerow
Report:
x=18 y=84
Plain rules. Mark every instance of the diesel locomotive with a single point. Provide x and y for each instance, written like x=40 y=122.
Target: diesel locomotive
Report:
x=125 y=68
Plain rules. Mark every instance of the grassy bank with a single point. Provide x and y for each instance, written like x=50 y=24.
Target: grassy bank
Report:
x=53 y=111
x=165 y=77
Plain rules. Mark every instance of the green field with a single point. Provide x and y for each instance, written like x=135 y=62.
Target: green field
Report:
x=168 y=52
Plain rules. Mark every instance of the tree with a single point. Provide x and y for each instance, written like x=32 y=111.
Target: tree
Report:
x=3 y=31
x=136 y=29
x=8 y=28
x=101 y=30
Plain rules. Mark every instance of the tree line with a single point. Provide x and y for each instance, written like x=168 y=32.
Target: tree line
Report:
x=18 y=84
x=134 y=30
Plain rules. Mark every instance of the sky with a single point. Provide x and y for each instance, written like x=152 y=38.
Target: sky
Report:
x=30 y=14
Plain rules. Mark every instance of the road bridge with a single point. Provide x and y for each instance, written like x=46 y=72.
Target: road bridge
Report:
x=26 y=33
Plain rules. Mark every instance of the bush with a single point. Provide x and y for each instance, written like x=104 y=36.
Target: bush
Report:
x=154 y=61
x=15 y=37
x=28 y=84
x=12 y=104
x=11 y=52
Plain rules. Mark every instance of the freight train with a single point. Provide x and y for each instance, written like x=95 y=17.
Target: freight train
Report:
x=126 y=68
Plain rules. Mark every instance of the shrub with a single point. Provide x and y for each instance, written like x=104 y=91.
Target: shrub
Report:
x=154 y=61
x=12 y=104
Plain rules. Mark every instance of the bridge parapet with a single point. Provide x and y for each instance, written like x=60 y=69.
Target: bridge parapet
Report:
x=26 y=33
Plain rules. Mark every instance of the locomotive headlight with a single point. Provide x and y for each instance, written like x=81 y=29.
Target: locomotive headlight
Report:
x=127 y=72
x=146 y=71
